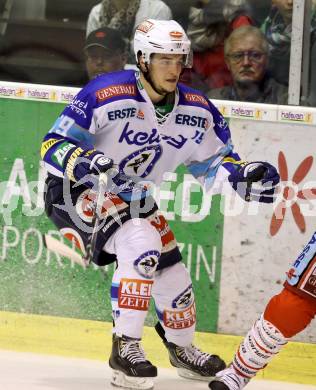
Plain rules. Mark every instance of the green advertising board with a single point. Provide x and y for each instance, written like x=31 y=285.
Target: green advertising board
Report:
x=36 y=281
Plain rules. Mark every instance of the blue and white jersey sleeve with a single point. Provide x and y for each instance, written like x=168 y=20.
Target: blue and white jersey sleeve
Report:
x=215 y=159
x=71 y=136
x=77 y=120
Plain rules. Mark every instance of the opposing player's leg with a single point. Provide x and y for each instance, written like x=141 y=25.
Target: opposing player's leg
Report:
x=137 y=246
x=286 y=315
x=175 y=306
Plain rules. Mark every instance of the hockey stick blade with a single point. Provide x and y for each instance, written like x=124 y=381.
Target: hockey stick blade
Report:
x=62 y=249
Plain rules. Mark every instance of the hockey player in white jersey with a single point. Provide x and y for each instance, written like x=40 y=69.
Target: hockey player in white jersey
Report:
x=144 y=124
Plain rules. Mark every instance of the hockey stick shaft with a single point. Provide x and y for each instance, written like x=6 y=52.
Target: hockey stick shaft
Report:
x=90 y=248
x=62 y=249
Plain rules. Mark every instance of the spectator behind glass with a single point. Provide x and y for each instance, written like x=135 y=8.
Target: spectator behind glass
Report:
x=105 y=51
x=125 y=15
x=246 y=55
x=259 y=10
x=180 y=10
x=277 y=28
x=209 y=25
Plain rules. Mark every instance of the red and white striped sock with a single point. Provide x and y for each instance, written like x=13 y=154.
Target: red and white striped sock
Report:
x=260 y=345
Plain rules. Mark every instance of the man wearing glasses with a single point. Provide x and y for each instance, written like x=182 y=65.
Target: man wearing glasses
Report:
x=246 y=55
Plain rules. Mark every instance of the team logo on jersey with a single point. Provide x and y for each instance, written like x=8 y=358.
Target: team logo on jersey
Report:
x=85 y=206
x=147 y=263
x=184 y=299
x=141 y=162
x=222 y=124
x=112 y=205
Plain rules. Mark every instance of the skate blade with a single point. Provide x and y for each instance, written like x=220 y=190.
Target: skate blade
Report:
x=187 y=374
x=119 y=379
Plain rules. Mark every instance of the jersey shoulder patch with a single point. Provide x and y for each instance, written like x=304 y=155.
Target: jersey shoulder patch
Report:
x=114 y=86
x=192 y=97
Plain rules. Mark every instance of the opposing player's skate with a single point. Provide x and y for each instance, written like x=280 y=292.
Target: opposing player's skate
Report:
x=191 y=362
x=131 y=370
x=228 y=379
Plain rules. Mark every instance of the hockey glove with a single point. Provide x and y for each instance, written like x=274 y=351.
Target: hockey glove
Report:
x=100 y=164
x=255 y=181
x=126 y=187
x=87 y=166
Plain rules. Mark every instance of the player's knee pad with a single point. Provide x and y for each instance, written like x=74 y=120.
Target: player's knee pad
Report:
x=259 y=346
x=137 y=246
x=289 y=312
x=135 y=237
x=178 y=318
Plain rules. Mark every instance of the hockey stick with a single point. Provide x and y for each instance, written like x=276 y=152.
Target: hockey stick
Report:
x=62 y=249
x=103 y=180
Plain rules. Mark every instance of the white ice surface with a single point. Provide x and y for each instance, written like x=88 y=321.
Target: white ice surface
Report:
x=26 y=371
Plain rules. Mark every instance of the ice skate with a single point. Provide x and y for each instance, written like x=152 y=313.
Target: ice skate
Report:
x=131 y=370
x=228 y=379
x=191 y=362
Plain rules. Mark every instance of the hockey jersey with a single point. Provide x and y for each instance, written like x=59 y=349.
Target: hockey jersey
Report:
x=114 y=115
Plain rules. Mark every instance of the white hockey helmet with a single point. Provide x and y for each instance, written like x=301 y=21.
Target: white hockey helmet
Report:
x=162 y=36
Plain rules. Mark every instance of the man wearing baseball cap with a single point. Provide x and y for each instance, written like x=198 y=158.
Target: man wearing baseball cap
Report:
x=105 y=51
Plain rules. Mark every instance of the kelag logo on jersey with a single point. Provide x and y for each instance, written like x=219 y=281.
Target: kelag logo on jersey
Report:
x=140 y=138
x=141 y=162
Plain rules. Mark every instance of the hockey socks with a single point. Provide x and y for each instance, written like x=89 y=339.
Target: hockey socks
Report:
x=259 y=346
x=286 y=315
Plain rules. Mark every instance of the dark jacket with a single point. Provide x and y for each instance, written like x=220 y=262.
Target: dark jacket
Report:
x=270 y=91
